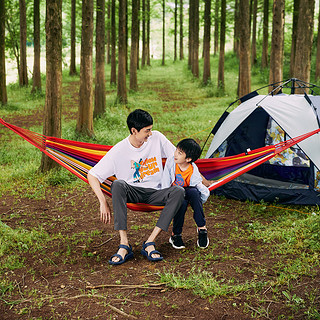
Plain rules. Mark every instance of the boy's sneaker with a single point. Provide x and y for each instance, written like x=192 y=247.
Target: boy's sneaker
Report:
x=203 y=240
x=176 y=241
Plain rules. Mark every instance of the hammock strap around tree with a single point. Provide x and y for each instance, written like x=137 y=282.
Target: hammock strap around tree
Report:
x=79 y=157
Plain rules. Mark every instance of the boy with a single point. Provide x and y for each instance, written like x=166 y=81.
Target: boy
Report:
x=137 y=164
x=180 y=170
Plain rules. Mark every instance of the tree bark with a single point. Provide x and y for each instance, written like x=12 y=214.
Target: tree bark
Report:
x=222 y=45
x=195 y=53
x=190 y=37
x=134 y=45
x=302 y=60
x=73 y=68
x=206 y=42
x=317 y=74
x=100 y=92
x=23 y=72
x=275 y=74
x=122 y=88
x=85 y=114
x=236 y=28
x=108 y=33
x=143 y=57
x=3 y=88
x=36 y=85
x=175 y=29
x=294 y=35
x=254 y=33
x=113 y=77
x=216 y=27
x=244 y=85
x=181 y=30
x=163 y=31
x=264 y=57
x=53 y=101
x=148 y=33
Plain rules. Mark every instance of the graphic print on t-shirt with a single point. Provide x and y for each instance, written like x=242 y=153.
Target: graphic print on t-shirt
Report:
x=145 y=168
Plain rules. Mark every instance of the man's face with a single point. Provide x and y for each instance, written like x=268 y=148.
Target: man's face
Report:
x=142 y=135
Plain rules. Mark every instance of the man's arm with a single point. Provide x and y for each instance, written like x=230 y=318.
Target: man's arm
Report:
x=105 y=212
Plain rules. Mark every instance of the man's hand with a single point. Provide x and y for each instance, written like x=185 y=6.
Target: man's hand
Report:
x=105 y=212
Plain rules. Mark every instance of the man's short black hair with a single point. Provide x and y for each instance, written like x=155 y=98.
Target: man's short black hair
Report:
x=191 y=148
x=139 y=119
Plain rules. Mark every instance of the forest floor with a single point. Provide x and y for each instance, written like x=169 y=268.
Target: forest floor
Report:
x=70 y=277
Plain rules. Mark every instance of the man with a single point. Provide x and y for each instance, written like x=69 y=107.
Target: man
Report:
x=146 y=148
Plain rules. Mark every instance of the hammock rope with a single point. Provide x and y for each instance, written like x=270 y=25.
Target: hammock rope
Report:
x=79 y=157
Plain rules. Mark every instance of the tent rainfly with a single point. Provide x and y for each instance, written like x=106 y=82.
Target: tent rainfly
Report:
x=291 y=177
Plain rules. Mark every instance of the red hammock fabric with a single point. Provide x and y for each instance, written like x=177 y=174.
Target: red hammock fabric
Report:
x=80 y=157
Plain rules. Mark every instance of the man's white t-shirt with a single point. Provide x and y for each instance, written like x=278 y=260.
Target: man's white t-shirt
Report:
x=141 y=167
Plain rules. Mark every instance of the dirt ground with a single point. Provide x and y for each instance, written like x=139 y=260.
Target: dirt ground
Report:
x=70 y=278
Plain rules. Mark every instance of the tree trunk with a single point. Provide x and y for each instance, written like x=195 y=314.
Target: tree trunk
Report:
x=206 y=42
x=244 y=85
x=222 y=45
x=317 y=74
x=108 y=33
x=138 y=44
x=3 y=88
x=36 y=86
x=254 y=33
x=302 y=61
x=175 y=28
x=236 y=39
x=163 y=31
x=53 y=101
x=216 y=27
x=85 y=114
x=100 y=92
x=73 y=68
x=113 y=77
x=294 y=35
x=264 y=57
x=23 y=72
x=134 y=45
x=181 y=30
x=148 y=33
x=275 y=74
x=143 y=57
x=122 y=88
x=195 y=53
x=190 y=37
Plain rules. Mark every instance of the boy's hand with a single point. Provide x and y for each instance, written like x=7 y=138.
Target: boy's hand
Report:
x=105 y=212
x=206 y=182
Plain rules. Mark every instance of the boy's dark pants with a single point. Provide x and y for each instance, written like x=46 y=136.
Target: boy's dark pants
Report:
x=192 y=196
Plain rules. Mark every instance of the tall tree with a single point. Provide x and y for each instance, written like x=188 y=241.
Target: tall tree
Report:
x=138 y=50
x=265 y=41
x=296 y=5
x=181 y=30
x=85 y=113
x=206 y=42
x=244 y=85
x=302 y=60
x=53 y=101
x=144 y=45
x=175 y=29
x=113 y=77
x=122 y=88
x=36 y=85
x=317 y=74
x=254 y=33
x=216 y=27
x=222 y=45
x=276 y=58
x=236 y=29
x=23 y=72
x=195 y=36
x=134 y=45
x=190 y=36
x=108 y=31
x=148 y=32
x=3 y=88
x=163 y=31
x=73 y=69
x=100 y=92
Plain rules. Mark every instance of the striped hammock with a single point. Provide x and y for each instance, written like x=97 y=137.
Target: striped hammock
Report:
x=80 y=157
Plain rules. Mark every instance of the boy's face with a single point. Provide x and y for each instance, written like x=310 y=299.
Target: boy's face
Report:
x=180 y=157
x=142 y=135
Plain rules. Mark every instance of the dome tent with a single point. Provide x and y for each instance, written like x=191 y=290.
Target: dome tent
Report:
x=291 y=177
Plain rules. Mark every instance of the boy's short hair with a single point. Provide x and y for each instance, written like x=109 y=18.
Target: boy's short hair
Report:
x=139 y=119
x=191 y=148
